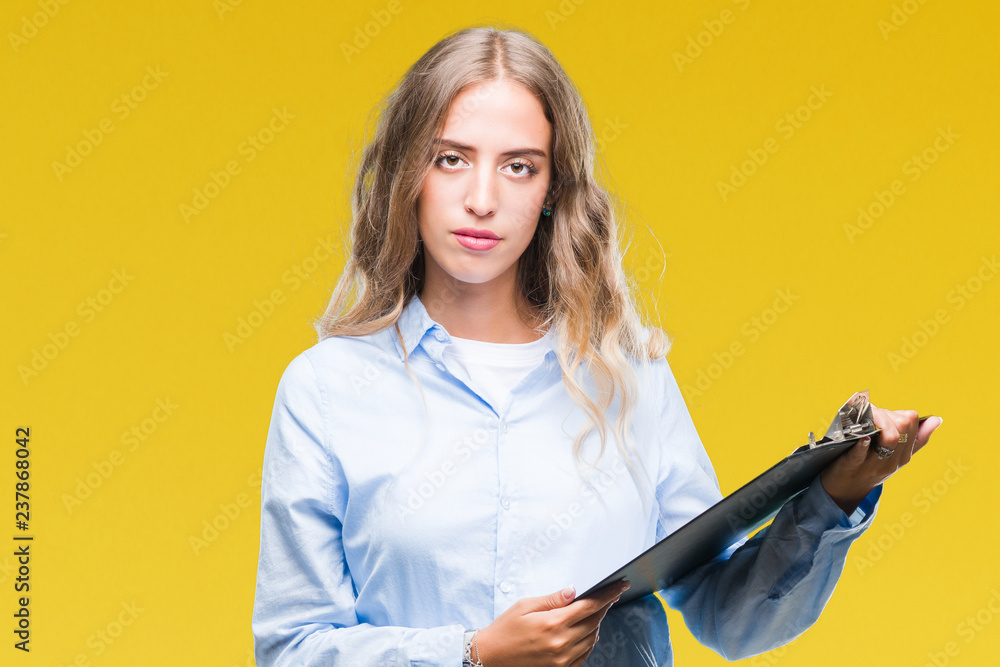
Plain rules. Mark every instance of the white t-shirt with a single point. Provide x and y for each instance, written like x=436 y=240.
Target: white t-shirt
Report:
x=496 y=368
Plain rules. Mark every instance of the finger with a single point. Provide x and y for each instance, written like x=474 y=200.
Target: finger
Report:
x=903 y=419
x=888 y=433
x=596 y=617
x=924 y=432
x=587 y=645
x=888 y=437
x=612 y=590
x=856 y=455
x=880 y=416
x=906 y=422
x=581 y=609
x=583 y=635
x=579 y=662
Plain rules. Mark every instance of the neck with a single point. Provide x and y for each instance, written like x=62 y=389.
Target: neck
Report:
x=493 y=313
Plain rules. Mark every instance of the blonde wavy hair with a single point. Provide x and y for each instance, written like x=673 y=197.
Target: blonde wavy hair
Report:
x=570 y=274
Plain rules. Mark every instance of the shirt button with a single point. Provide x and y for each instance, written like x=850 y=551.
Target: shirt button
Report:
x=505 y=587
x=503 y=426
x=440 y=335
x=505 y=502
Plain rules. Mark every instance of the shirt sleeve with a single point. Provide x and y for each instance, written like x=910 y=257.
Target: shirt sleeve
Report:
x=766 y=591
x=304 y=608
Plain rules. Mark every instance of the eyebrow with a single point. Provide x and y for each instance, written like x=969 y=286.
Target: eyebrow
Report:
x=517 y=151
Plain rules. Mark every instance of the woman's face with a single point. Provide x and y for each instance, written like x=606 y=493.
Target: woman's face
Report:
x=490 y=176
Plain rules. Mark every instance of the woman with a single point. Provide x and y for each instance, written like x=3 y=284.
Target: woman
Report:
x=438 y=475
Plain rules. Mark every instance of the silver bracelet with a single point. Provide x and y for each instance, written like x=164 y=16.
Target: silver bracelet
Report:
x=470 y=640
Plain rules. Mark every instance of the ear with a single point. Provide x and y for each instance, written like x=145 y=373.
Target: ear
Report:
x=552 y=194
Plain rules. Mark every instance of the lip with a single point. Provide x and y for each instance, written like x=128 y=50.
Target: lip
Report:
x=478 y=233
x=476 y=239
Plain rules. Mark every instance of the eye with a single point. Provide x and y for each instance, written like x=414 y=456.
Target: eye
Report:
x=448 y=159
x=520 y=168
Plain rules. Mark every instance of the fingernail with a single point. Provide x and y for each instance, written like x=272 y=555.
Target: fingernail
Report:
x=940 y=421
x=568 y=592
x=616 y=599
x=865 y=441
x=628 y=584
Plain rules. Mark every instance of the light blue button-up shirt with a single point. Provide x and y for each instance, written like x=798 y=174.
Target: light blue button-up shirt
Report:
x=392 y=521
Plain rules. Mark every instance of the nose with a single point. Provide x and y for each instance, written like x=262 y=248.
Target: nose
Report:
x=482 y=197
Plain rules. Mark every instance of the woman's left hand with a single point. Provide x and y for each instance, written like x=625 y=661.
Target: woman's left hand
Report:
x=857 y=471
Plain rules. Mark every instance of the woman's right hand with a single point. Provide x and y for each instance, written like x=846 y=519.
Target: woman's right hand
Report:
x=547 y=631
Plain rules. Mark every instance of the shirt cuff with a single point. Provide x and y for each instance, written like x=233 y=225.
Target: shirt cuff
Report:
x=825 y=507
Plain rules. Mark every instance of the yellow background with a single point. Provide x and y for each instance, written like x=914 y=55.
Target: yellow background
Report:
x=671 y=130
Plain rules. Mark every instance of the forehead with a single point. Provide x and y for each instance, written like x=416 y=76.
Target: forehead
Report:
x=497 y=114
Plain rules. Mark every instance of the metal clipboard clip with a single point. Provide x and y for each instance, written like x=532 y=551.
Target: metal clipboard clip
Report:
x=853 y=420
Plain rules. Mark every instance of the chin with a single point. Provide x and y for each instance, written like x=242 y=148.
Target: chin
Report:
x=472 y=278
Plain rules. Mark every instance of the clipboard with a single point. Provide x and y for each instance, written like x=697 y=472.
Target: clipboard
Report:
x=745 y=510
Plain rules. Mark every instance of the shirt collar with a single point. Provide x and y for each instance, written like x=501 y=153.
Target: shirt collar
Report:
x=418 y=328
x=414 y=323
